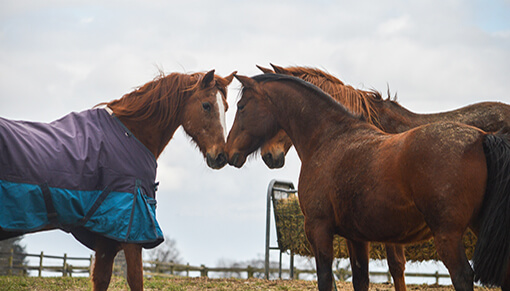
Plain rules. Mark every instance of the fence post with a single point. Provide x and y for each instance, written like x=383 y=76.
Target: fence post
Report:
x=41 y=263
x=91 y=260
x=437 y=277
x=156 y=269
x=187 y=270
x=203 y=271
x=64 y=267
x=172 y=267
x=11 y=262
x=250 y=271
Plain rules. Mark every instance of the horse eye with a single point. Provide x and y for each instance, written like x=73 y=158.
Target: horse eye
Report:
x=240 y=107
x=206 y=106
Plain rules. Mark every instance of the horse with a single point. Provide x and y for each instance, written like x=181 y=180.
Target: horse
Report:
x=356 y=181
x=387 y=115
x=137 y=127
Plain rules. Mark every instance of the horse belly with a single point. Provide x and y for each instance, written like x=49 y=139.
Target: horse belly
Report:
x=383 y=222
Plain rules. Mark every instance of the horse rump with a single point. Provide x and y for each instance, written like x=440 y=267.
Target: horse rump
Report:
x=492 y=250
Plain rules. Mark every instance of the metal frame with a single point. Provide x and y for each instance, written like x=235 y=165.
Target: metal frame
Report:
x=285 y=187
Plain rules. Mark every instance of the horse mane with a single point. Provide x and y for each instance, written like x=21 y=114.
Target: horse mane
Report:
x=356 y=100
x=311 y=87
x=159 y=100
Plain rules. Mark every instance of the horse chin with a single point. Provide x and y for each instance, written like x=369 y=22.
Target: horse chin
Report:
x=273 y=163
x=217 y=162
x=237 y=160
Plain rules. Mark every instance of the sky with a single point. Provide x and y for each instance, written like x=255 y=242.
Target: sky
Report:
x=62 y=56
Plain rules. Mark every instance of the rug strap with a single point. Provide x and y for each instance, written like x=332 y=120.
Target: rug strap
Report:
x=95 y=206
x=51 y=213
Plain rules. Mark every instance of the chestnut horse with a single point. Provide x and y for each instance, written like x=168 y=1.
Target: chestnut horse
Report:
x=388 y=116
x=152 y=113
x=366 y=185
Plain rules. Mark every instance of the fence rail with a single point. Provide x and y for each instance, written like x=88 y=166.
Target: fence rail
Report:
x=168 y=269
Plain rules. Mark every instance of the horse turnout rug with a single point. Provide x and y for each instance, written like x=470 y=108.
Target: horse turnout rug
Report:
x=84 y=173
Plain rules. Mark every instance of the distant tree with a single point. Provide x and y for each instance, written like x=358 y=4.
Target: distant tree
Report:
x=165 y=252
x=19 y=258
x=254 y=263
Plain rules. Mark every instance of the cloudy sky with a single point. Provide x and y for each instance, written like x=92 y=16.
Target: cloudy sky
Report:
x=63 y=56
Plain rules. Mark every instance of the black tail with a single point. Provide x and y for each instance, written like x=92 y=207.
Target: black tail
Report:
x=492 y=251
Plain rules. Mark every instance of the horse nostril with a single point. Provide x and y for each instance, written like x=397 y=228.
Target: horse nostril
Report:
x=234 y=159
x=221 y=159
x=268 y=159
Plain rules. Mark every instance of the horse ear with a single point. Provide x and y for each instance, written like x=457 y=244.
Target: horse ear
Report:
x=208 y=79
x=279 y=70
x=246 y=81
x=230 y=77
x=265 y=70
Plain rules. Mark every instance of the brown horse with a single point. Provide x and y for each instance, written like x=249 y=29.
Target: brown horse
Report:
x=152 y=113
x=366 y=185
x=388 y=116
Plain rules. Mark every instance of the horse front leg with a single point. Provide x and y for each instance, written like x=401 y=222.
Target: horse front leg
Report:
x=106 y=250
x=320 y=236
x=133 y=254
x=397 y=263
x=358 y=255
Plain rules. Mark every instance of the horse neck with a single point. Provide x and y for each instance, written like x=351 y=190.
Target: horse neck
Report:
x=307 y=119
x=152 y=137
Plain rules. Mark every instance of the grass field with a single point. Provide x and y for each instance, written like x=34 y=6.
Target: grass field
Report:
x=185 y=284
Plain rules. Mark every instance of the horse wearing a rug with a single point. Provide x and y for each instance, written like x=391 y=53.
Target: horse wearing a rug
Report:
x=363 y=184
x=390 y=117
x=93 y=173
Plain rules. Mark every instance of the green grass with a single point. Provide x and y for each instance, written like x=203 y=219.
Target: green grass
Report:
x=185 y=284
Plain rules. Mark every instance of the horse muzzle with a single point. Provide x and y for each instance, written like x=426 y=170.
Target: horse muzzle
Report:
x=237 y=160
x=217 y=162
x=274 y=163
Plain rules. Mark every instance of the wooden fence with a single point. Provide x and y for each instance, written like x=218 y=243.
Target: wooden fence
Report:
x=168 y=269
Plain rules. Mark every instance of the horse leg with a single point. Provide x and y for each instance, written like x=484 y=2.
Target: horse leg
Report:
x=450 y=249
x=105 y=254
x=320 y=236
x=133 y=254
x=397 y=263
x=359 y=256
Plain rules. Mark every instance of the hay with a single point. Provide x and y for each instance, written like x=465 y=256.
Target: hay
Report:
x=291 y=236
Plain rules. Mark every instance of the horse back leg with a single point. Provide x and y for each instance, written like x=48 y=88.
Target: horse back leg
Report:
x=397 y=263
x=106 y=250
x=320 y=236
x=451 y=250
x=133 y=254
x=359 y=256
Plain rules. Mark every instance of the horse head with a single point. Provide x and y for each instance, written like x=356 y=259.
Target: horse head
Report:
x=253 y=123
x=203 y=117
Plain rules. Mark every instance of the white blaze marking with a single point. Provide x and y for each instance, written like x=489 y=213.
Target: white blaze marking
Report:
x=221 y=109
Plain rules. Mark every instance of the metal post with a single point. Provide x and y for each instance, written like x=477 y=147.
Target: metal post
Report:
x=291 y=265
x=268 y=227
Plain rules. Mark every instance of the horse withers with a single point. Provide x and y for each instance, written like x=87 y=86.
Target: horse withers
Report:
x=92 y=173
x=363 y=184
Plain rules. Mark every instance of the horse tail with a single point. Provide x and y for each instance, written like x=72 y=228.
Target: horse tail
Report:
x=492 y=250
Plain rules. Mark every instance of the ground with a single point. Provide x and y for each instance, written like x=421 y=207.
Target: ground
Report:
x=185 y=284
